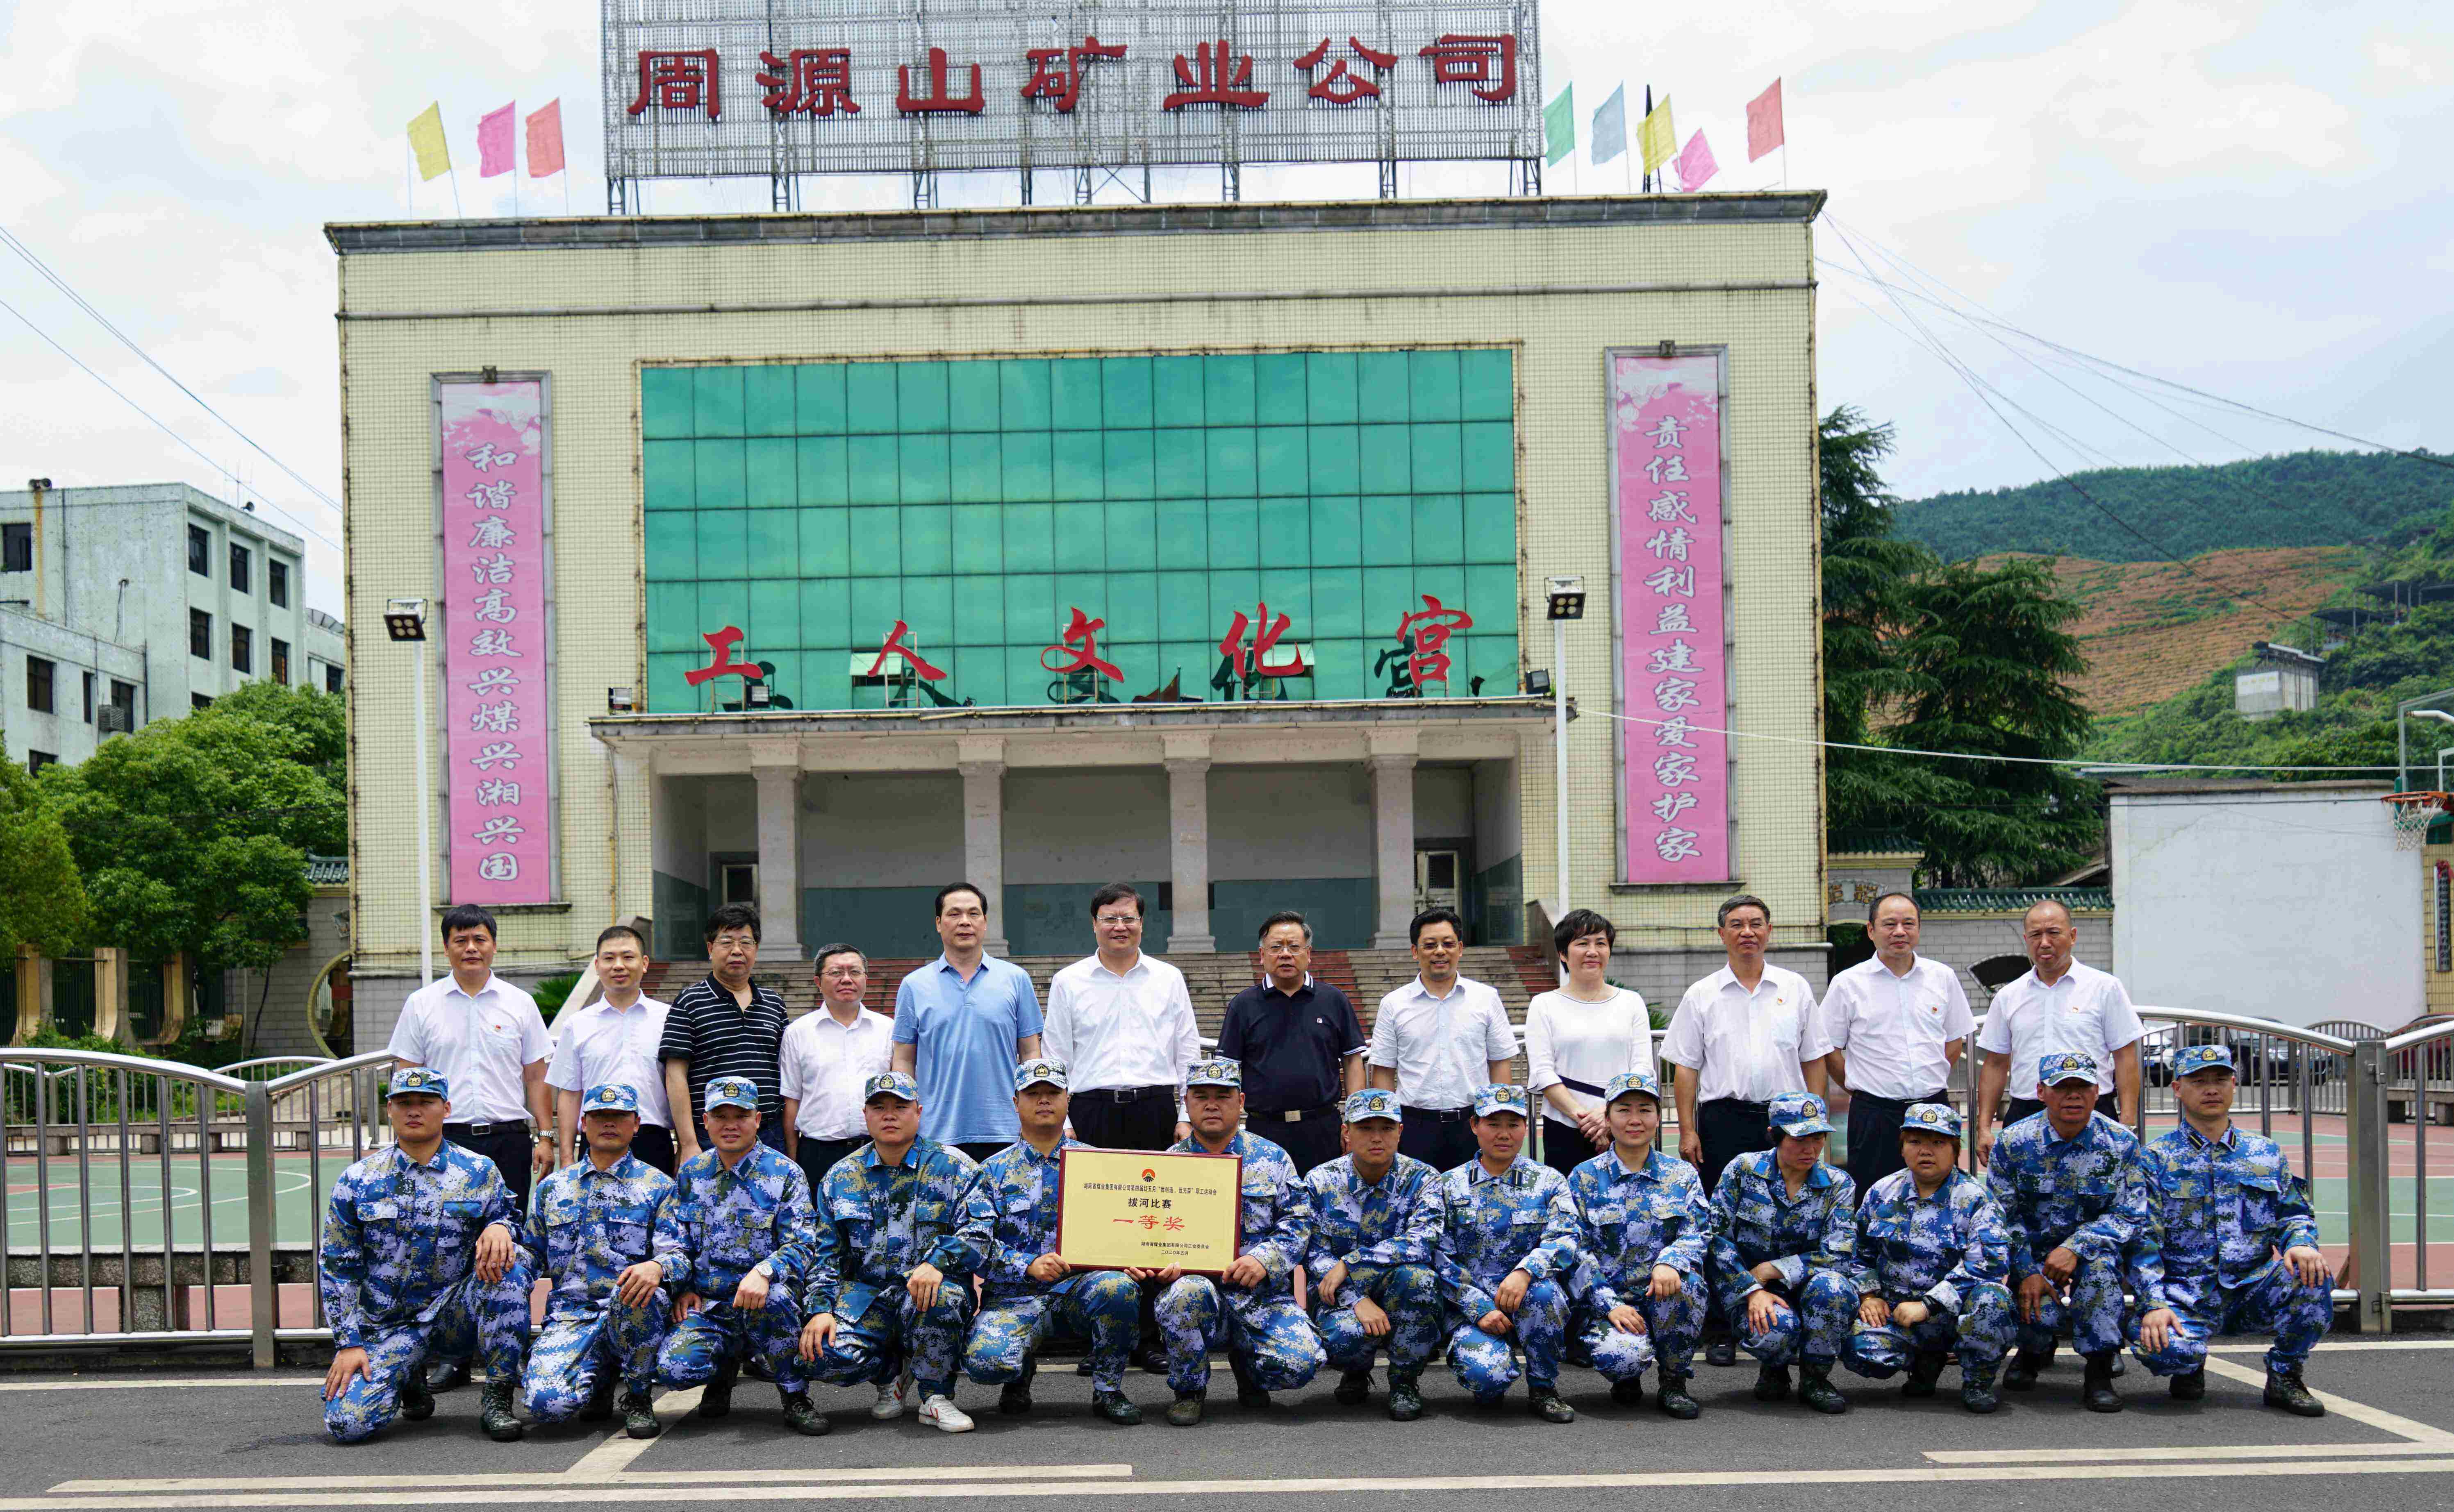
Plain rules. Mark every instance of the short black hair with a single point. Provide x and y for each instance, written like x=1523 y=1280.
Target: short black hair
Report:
x=818 y=962
x=1883 y=897
x=467 y=916
x=733 y=916
x=1744 y=899
x=612 y=930
x=1577 y=923
x=1430 y=917
x=1117 y=892
x=1285 y=916
x=938 y=906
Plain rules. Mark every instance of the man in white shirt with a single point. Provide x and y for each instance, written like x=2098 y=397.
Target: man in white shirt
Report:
x=612 y=1042
x=485 y=1037
x=1122 y=1024
x=1741 y=1038
x=828 y=1058
x=2059 y=1006
x=1898 y=1023
x=1438 y=1042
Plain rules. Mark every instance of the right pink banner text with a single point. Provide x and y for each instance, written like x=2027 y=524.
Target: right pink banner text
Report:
x=1675 y=777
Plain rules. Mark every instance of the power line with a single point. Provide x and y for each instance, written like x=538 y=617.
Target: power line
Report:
x=2092 y=762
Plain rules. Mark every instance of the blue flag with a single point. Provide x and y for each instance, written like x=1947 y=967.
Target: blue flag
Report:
x=1610 y=126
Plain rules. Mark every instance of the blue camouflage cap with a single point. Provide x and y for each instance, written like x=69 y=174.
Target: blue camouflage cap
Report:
x=732 y=1091
x=891 y=1083
x=2191 y=1058
x=1626 y=1081
x=1373 y=1102
x=1499 y=1097
x=425 y=1081
x=1216 y=1071
x=1800 y=1114
x=610 y=1096
x=1037 y=1070
x=2067 y=1066
x=1931 y=1117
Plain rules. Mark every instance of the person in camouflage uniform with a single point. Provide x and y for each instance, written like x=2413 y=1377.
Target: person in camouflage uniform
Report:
x=1933 y=1253
x=590 y=1232
x=1502 y=1233
x=1375 y=1286
x=1785 y=1254
x=419 y=1258
x=1643 y=1245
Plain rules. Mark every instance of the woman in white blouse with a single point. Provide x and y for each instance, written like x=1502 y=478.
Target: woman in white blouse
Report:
x=1578 y=1037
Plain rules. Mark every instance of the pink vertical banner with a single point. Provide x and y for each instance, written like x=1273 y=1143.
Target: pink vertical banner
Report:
x=498 y=826
x=495 y=142
x=1667 y=476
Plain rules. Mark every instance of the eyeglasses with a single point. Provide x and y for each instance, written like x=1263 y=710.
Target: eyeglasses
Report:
x=1117 y=921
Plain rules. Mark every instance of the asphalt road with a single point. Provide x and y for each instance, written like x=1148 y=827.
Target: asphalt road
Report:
x=189 y=1440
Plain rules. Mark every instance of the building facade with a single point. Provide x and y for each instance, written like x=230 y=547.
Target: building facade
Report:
x=1200 y=546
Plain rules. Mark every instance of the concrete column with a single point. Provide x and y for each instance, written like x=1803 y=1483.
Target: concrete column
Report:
x=984 y=832
x=779 y=851
x=110 y=992
x=175 y=1006
x=1188 y=853
x=30 y=995
x=1393 y=844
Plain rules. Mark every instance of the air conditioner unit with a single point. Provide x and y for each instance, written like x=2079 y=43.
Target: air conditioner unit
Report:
x=113 y=720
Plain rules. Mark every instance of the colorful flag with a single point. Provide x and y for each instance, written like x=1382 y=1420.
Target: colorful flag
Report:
x=1763 y=123
x=426 y=138
x=544 y=141
x=1610 y=126
x=495 y=153
x=1657 y=138
x=1559 y=126
x=1695 y=165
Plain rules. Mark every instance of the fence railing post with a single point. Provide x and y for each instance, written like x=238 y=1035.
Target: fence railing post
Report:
x=2372 y=1220
x=264 y=1297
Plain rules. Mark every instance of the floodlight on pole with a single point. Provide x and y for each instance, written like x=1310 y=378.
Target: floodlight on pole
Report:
x=405 y=622
x=1563 y=600
x=2404 y=713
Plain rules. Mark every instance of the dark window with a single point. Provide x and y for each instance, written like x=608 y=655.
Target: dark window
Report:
x=123 y=698
x=200 y=634
x=37 y=760
x=38 y=685
x=17 y=547
x=331 y=678
x=277 y=584
x=89 y=698
x=200 y=552
x=242 y=649
x=199 y=700
x=281 y=663
x=238 y=569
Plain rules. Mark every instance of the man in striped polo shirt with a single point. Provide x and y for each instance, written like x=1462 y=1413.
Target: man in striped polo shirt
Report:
x=725 y=1025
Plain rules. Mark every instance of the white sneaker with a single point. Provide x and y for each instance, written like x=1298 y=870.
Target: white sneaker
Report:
x=942 y=1413
x=890 y=1402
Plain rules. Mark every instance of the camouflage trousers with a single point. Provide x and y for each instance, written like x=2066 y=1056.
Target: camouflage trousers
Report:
x=2273 y=1301
x=720 y=1335
x=1810 y=1331
x=879 y=1331
x=1101 y=1305
x=1484 y=1363
x=1980 y=1330
x=1410 y=1295
x=1671 y=1325
x=471 y=1318
x=1270 y=1342
x=2096 y=1316
x=575 y=1347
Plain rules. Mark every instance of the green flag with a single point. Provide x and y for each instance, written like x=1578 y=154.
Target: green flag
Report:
x=1559 y=125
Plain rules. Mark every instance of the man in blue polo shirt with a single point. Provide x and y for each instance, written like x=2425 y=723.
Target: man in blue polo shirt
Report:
x=961 y=1023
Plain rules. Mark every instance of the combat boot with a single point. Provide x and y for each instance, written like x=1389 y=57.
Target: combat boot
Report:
x=1721 y=1351
x=600 y=1402
x=495 y=1415
x=1772 y=1383
x=1816 y=1390
x=1977 y=1392
x=1249 y=1394
x=715 y=1397
x=2096 y=1391
x=417 y=1402
x=1015 y=1398
x=2025 y=1367
x=2284 y=1389
x=1924 y=1370
x=1674 y=1400
x=1116 y=1407
x=1186 y=1409
x=1405 y=1398
x=1628 y=1393
x=446 y=1375
x=2190 y=1386
x=1353 y=1386
x=639 y=1416
x=802 y=1415
x=1545 y=1403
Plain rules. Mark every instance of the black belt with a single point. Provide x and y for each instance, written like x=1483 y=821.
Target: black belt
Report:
x=1586 y=1088
x=1298 y=1115
x=1903 y=1106
x=1436 y=1115
x=1740 y=1102
x=1125 y=1094
x=488 y=1128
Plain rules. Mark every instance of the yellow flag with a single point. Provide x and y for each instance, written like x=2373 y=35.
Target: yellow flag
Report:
x=1657 y=139
x=426 y=136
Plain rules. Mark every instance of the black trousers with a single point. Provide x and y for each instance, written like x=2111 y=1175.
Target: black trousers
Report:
x=1875 y=1137
x=980 y=1151
x=1146 y=1123
x=1440 y=1137
x=654 y=1144
x=2108 y=1103
x=509 y=1146
x=817 y=1156
x=1564 y=1146
x=1728 y=1128
x=1310 y=1142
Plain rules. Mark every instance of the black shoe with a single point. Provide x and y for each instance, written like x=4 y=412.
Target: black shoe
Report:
x=495 y=1415
x=1675 y=1401
x=1543 y=1403
x=1815 y=1389
x=2192 y=1385
x=600 y=1402
x=1015 y=1398
x=715 y=1397
x=1113 y=1407
x=1977 y=1393
x=2284 y=1389
x=801 y=1417
x=2025 y=1370
x=1772 y=1383
x=1405 y=1402
x=1628 y=1393
x=1721 y=1352
x=1186 y=1409
x=446 y=1375
x=2096 y=1392
x=1251 y=1399
x=416 y=1400
x=1924 y=1372
x=1353 y=1387
x=757 y=1369
x=639 y=1416
x=1083 y=1366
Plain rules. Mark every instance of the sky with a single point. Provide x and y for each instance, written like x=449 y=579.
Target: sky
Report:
x=2246 y=199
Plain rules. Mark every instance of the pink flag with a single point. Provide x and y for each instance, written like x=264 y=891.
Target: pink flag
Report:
x=544 y=141
x=495 y=142
x=1696 y=165
x=1763 y=123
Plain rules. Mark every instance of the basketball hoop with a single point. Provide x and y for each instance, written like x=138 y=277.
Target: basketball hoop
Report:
x=2413 y=814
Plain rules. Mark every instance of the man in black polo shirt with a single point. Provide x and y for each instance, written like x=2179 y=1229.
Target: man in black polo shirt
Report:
x=1301 y=1045
x=725 y=1025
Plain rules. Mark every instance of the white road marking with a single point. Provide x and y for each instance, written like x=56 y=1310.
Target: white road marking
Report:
x=2333 y=1347
x=2377 y=1418
x=2194 y=1451
x=614 y=1455
x=547 y=1479
x=211 y=1382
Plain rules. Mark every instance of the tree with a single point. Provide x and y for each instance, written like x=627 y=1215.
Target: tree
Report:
x=42 y=898
x=320 y=723
x=1866 y=574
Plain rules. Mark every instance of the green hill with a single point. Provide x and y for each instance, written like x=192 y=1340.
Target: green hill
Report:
x=2307 y=498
